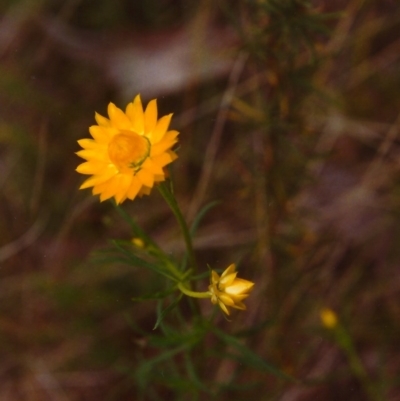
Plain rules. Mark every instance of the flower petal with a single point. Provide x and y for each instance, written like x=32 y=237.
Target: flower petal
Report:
x=161 y=128
x=118 y=118
x=239 y=305
x=226 y=299
x=239 y=298
x=171 y=135
x=159 y=178
x=214 y=277
x=100 y=134
x=134 y=188
x=92 y=167
x=223 y=307
x=124 y=184
x=112 y=188
x=146 y=178
x=227 y=280
x=93 y=154
x=106 y=189
x=150 y=116
x=162 y=146
x=144 y=190
x=96 y=180
x=134 y=111
x=102 y=121
x=88 y=143
x=162 y=160
x=239 y=286
x=154 y=168
x=230 y=269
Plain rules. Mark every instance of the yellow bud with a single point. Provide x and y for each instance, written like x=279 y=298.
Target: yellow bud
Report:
x=228 y=290
x=138 y=242
x=328 y=318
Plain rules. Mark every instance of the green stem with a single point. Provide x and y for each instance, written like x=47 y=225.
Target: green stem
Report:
x=173 y=269
x=344 y=340
x=170 y=199
x=193 y=294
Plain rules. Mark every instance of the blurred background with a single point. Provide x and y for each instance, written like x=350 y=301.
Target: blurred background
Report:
x=288 y=113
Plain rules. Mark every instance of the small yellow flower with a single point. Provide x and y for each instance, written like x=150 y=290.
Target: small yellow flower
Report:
x=128 y=152
x=229 y=291
x=138 y=242
x=329 y=318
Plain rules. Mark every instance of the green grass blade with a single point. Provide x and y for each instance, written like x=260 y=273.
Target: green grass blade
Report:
x=164 y=312
x=249 y=357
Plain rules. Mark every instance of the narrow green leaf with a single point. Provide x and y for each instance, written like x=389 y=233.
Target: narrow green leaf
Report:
x=145 y=368
x=170 y=307
x=137 y=231
x=250 y=358
x=136 y=261
x=192 y=374
x=200 y=276
x=201 y=215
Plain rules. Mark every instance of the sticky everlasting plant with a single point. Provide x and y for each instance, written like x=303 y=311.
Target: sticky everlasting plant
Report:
x=126 y=157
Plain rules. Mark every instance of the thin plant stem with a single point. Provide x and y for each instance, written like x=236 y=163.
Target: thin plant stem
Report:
x=172 y=203
x=170 y=199
x=193 y=294
x=344 y=340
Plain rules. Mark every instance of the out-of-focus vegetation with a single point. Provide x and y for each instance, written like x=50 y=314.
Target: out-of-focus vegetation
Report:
x=289 y=116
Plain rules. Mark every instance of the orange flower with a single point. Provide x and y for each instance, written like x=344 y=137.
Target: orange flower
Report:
x=128 y=152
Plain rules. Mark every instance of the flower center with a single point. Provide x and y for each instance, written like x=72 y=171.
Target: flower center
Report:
x=128 y=150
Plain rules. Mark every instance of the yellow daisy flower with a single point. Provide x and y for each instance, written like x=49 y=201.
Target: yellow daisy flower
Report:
x=229 y=291
x=329 y=318
x=128 y=152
